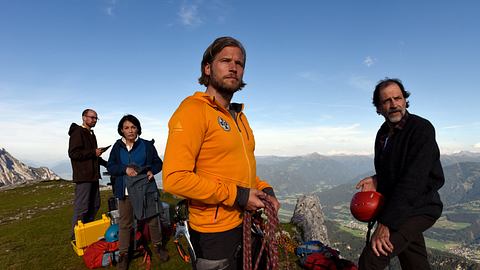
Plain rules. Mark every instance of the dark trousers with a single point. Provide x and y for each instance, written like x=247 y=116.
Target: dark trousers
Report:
x=222 y=250
x=126 y=224
x=86 y=203
x=408 y=245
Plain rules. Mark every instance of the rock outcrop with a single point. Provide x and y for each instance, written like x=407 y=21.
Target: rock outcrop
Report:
x=309 y=218
x=12 y=171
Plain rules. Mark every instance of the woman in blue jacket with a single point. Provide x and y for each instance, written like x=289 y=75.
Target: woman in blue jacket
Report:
x=131 y=157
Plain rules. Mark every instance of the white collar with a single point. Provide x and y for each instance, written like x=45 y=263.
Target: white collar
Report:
x=125 y=142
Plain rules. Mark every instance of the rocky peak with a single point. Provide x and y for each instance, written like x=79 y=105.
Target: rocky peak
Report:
x=309 y=218
x=13 y=171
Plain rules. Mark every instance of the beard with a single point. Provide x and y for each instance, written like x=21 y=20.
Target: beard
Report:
x=225 y=89
x=395 y=118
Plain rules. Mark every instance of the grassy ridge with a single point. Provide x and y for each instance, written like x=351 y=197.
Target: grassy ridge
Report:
x=35 y=229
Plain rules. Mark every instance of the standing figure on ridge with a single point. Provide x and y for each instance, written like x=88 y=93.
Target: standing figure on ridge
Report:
x=85 y=158
x=209 y=159
x=408 y=175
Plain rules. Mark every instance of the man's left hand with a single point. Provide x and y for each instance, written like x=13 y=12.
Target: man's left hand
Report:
x=380 y=241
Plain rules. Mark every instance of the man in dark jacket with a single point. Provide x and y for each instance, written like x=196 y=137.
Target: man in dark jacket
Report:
x=85 y=158
x=409 y=175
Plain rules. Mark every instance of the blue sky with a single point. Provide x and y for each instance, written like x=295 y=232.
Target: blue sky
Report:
x=311 y=68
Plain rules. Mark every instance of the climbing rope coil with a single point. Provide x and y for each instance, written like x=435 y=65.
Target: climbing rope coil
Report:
x=265 y=225
x=269 y=240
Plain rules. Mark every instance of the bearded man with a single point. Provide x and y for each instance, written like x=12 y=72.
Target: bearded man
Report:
x=409 y=175
x=209 y=159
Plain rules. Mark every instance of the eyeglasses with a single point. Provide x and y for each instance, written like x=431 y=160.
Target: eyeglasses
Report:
x=93 y=117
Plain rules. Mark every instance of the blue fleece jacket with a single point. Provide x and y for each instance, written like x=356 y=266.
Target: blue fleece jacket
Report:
x=142 y=154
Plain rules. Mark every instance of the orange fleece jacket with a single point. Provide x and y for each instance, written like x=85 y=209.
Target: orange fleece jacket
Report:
x=209 y=154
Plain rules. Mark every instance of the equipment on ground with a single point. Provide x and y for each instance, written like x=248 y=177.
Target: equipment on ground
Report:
x=181 y=231
x=314 y=255
x=111 y=235
x=113 y=211
x=89 y=233
x=101 y=254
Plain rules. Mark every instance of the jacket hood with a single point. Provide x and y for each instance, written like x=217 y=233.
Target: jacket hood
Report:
x=206 y=98
x=210 y=100
x=73 y=127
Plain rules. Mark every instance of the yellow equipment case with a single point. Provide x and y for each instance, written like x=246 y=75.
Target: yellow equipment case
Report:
x=89 y=233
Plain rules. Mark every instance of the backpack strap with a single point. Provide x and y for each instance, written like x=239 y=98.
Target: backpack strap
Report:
x=370 y=227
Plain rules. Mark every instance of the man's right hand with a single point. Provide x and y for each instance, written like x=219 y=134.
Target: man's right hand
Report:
x=368 y=184
x=380 y=242
x=255 y=197
x=98 y=152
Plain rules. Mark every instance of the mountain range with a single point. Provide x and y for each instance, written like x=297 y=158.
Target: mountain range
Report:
x=315 y=172
x=462 y=185
x=310 y=173
x=13 y=171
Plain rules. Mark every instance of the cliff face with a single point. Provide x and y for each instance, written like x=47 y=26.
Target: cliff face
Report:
x=12 y=171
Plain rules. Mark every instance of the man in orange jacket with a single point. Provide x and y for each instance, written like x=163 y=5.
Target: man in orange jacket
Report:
x=209 y=159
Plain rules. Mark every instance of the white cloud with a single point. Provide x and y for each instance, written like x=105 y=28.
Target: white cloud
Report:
x=189 y=15
x=109 y=11
x=476 y=146
x=193 y=13
x=38 y=131
x=111 y=6
x=369 y=61
x=349 y=139
x=454 y=127
x=463 y=126
x=34 y=132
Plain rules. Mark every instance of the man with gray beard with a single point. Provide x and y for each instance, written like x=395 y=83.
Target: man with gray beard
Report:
x=408 y=175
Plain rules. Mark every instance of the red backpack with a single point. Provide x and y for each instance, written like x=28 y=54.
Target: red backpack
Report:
x=101 y=254
x=314 y=255
x=319 y=261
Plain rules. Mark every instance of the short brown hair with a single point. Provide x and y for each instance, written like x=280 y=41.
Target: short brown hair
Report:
x=84 y=113
x=212 y=50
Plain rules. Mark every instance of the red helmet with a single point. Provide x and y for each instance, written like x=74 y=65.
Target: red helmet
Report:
x=365 y=205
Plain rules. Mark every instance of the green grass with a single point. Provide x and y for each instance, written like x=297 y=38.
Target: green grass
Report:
x=25 y=200
x=35 y=229
x=440 y=245
x=444 y=223
x=40 y=239
x=354 y=232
